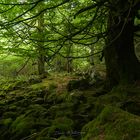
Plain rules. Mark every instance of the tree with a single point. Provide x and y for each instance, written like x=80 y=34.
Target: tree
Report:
x=116 y=25
x=25 y=24
x=41 y=39
x=121 y=62
x=83 y=23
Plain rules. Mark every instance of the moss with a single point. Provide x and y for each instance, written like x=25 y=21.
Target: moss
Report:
x=65 y=97
x=38 y=86
x=113 y=124
x=10 y=114
x=21 y=127
x=81 y=84
x=42 y=113
x=7 y=122
x=52 y=86
x=63 y=109
x=37 y=100
x=33 y=119
x=65 y=138
x=36 y=111
x=124 y=97
x=2 y=94
x=43 y=138
x=12 y=107
x=116 y=97
x=60 y=126
x=2 y=102
x=50 y=98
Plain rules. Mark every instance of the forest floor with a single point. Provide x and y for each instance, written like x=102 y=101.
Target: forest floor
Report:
x=54 y=109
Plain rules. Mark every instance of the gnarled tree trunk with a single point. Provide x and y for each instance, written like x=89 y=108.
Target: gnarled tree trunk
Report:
x=121 y=62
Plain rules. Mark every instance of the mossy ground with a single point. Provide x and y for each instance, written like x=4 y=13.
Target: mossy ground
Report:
x=43 y=109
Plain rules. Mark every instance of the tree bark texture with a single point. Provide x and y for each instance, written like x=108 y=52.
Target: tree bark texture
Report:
x=41 y=38
x=121 y=62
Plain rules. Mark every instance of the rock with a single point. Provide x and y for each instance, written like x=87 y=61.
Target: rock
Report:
x=60 y=126
x=113 y=123
x=21 y=127
x=78 y=84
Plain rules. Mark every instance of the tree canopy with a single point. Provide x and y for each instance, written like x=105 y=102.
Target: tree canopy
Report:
x=43 y=29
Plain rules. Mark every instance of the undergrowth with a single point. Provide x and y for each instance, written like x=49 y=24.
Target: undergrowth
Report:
x=44 y=109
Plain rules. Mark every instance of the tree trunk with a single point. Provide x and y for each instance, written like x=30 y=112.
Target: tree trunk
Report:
x=69 y=60
x=121 y=62
x=41 y=64
x=41 y=38
x=92 y=56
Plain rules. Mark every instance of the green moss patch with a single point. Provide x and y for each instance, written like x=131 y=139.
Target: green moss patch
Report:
x=113 y=124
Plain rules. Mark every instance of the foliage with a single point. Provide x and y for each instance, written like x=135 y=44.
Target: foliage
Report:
x=44 y=44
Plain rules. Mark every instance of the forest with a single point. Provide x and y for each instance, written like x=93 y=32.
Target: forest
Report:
x=69 y=70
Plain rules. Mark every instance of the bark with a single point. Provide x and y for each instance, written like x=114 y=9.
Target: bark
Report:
x=121 y=62
x=69 y=65
x=41 y=64
x=40 y=47
x=69 y=60
x=92 y=56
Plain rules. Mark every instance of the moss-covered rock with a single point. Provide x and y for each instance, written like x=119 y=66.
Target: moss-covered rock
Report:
x=30 y=122
x=6 y=122
x=38 y=111
x=113 y=124
x=78 y=84
x=65 y=138
x=63 y=109
x=10 y=114
x=61 y=126
x=21 y=127
x=125 y=97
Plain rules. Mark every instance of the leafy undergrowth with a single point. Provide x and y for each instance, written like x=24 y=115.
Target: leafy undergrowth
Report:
x=43 y=109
